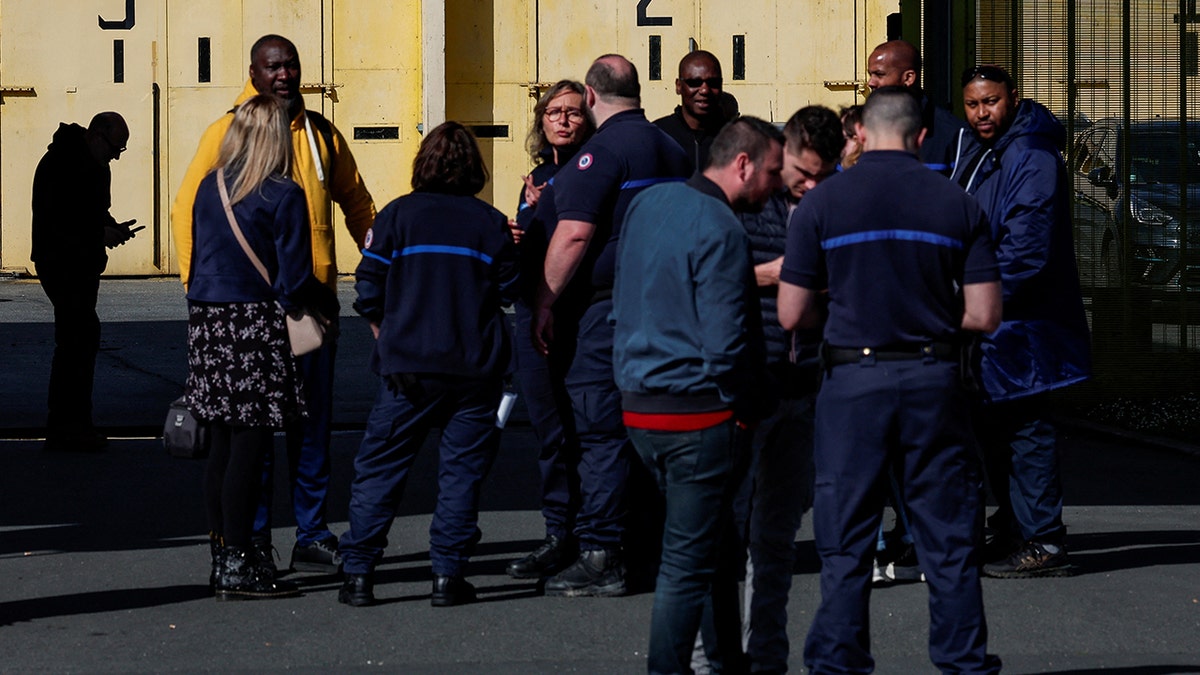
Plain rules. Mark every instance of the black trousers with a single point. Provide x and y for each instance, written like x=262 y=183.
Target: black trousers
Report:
x=73 y=291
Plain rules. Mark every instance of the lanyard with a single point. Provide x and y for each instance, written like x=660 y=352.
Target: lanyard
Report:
x=312 y=145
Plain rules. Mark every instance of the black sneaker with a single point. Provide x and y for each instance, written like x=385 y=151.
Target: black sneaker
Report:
x=551 y=557
x=358 y=590
x=596 y=573
x=319 y=556
x=1032 y=560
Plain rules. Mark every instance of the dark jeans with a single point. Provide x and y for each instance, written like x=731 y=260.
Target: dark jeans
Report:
x=307 y=453
x=396 y=428
x=1021 y=451
x=73 y=292
x=697 y=472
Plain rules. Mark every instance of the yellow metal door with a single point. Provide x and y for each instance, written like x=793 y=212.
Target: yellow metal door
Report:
x=488 y=75
x=65 y=61
x=207 y=65
x=376 y=69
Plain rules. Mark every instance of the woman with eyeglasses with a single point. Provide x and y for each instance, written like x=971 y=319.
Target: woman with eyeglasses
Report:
x=560 y=126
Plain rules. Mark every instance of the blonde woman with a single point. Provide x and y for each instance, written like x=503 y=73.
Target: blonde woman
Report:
x=241 y=373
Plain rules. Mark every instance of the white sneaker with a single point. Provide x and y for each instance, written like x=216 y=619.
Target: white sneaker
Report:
x=906 y=567
x=879 y=575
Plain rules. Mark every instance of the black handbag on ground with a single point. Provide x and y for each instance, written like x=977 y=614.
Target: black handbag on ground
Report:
x=184 y=436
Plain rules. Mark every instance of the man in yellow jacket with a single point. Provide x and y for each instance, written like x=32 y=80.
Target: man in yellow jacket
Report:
x=326 y=170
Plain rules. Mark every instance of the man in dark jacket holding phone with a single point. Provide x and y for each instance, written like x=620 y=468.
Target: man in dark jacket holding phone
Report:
x=71 y=230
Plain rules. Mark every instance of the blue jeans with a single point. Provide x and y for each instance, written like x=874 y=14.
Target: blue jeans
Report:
x=308 y=453
x=780 y=492
x=396 y=428
x=696 y=471
x=913 y=417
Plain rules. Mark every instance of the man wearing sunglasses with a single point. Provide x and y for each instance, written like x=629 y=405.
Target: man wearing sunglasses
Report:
x=1016 y=172
x=71 y=229
x=701 y=112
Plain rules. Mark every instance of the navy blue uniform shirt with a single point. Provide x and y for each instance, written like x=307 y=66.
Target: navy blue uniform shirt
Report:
x=893 y=242
x=626 y=155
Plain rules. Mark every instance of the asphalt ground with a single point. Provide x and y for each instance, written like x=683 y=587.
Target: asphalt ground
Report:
x=104 y=559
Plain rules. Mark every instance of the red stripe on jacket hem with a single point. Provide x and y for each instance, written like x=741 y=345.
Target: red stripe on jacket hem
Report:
x=676 y=421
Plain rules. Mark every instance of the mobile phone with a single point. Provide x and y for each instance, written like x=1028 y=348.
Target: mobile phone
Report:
x=135 y=230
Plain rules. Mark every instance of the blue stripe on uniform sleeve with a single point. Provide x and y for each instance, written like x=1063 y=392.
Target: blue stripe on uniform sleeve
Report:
x=376 y=256
x=646 y=182
x=890 y=235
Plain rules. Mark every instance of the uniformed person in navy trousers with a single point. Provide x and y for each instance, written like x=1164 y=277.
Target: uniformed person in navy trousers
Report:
x=909 y=265
x=626 y=155
x=437 y=265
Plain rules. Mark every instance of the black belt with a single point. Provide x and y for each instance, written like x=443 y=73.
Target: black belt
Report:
x=840 y=356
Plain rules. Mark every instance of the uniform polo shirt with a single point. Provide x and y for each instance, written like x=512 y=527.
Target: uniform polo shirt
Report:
x=893 y=242
x=626 y=155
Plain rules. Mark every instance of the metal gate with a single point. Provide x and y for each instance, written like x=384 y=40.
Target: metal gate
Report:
x=1119 y=74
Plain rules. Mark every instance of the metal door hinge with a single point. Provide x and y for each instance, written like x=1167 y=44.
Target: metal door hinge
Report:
x=326 y=89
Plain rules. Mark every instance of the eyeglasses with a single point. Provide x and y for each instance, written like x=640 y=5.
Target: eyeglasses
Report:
x=114 y=146
x=696 y=82
x=993 y=73
x=574 y=115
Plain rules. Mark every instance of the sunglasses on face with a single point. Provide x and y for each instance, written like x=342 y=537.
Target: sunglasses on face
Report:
x=696 y=82
x=992 y=73
x=574 y=115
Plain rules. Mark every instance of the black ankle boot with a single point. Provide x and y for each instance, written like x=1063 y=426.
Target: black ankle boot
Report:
x=358 y=590
x=265 y=554
x=450 y=591
x=550 y=558
x=598 y=573
x=241 y=577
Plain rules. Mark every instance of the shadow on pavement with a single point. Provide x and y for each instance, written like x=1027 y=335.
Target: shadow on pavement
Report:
x=1102 y=552
x=96 y=602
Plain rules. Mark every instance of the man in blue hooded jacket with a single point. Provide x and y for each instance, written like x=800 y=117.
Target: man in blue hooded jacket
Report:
x=1016 y=172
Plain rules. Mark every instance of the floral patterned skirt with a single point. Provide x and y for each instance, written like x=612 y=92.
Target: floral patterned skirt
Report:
x=240 y=365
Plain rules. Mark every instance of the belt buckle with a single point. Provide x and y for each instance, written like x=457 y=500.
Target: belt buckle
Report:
x=866 y=357
x=928 y=353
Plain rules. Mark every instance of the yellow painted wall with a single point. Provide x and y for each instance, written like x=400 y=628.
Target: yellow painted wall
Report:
x=496 y=49
x=370 y=52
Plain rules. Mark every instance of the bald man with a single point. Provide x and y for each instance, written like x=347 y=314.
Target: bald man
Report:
x=702 y=110
x=71 y=230
x=591 y=194
x=897 y=63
